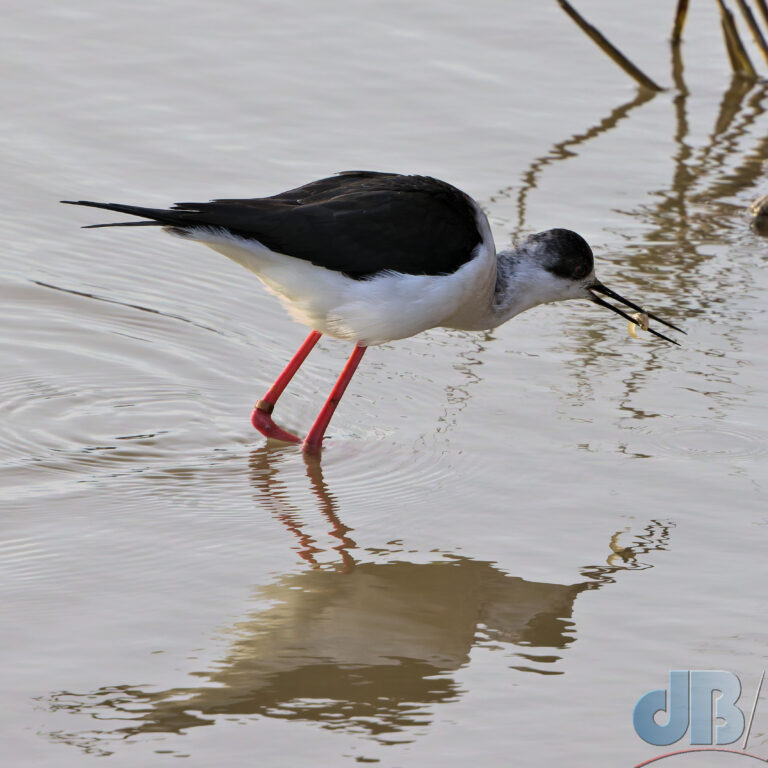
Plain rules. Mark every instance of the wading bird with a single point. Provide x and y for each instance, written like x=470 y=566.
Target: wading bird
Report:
x=370 y=257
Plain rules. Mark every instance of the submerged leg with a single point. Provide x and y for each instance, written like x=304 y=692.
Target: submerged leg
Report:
x=314 y=439
x=261 y=418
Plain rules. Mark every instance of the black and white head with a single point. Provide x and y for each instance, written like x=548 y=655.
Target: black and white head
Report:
x=560 y=265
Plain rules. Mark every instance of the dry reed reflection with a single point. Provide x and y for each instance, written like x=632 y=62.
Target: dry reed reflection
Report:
x=684 y=218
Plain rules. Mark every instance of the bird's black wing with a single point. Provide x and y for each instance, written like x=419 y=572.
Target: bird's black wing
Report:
x=359 y=223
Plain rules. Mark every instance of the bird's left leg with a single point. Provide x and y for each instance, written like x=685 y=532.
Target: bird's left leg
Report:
x=314 y=439
x=261 y=418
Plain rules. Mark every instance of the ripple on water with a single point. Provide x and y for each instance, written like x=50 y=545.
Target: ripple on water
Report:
x=713 y=441
x=382 y=471
x=352 y=474
x=114 y=391
x=129 y=390
x=76 y=421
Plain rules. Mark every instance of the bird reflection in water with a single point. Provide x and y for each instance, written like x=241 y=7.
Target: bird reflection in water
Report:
x=359 y=646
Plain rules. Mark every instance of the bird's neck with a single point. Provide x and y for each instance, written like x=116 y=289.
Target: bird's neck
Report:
x=518 y=286
x=520 y=283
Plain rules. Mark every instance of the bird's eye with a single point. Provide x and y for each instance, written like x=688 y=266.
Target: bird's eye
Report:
x=582 y=270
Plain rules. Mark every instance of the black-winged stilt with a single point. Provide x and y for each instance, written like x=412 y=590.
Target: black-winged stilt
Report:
x=370 y=257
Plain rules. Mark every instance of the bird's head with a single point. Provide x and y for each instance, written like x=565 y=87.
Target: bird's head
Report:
x=561 y=265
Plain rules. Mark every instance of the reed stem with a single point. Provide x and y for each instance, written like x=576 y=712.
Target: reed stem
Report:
x=610 y=50
x=737 y=53
x=757 y=35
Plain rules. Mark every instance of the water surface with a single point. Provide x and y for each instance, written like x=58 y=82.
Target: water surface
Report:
x=511 y=536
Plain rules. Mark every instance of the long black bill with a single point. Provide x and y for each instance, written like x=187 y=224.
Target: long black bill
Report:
x=600 y=288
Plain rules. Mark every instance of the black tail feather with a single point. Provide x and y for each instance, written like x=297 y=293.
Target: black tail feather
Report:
x=158 y=216
x=126 y=224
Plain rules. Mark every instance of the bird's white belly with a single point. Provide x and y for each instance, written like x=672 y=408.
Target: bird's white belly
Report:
x=373 y=311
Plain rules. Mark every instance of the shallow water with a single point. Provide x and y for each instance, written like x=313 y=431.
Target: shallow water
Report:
x=511 y=536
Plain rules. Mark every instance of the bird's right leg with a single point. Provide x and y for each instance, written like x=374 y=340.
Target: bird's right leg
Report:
x=261 y=418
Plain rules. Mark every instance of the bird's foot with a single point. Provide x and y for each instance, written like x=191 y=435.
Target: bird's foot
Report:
x=261 y=418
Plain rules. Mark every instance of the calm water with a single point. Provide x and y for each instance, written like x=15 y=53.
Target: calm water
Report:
x=511 y=536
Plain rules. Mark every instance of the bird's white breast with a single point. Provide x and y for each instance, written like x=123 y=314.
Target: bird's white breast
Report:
x=388 y=306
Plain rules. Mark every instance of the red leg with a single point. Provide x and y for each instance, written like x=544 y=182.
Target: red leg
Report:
x=314 y=439
x=261 y=418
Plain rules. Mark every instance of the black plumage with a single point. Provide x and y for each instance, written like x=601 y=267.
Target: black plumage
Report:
x=359 y=223
x=567 y=254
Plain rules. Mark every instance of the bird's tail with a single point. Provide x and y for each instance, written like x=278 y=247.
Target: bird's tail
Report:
x=158 y=217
